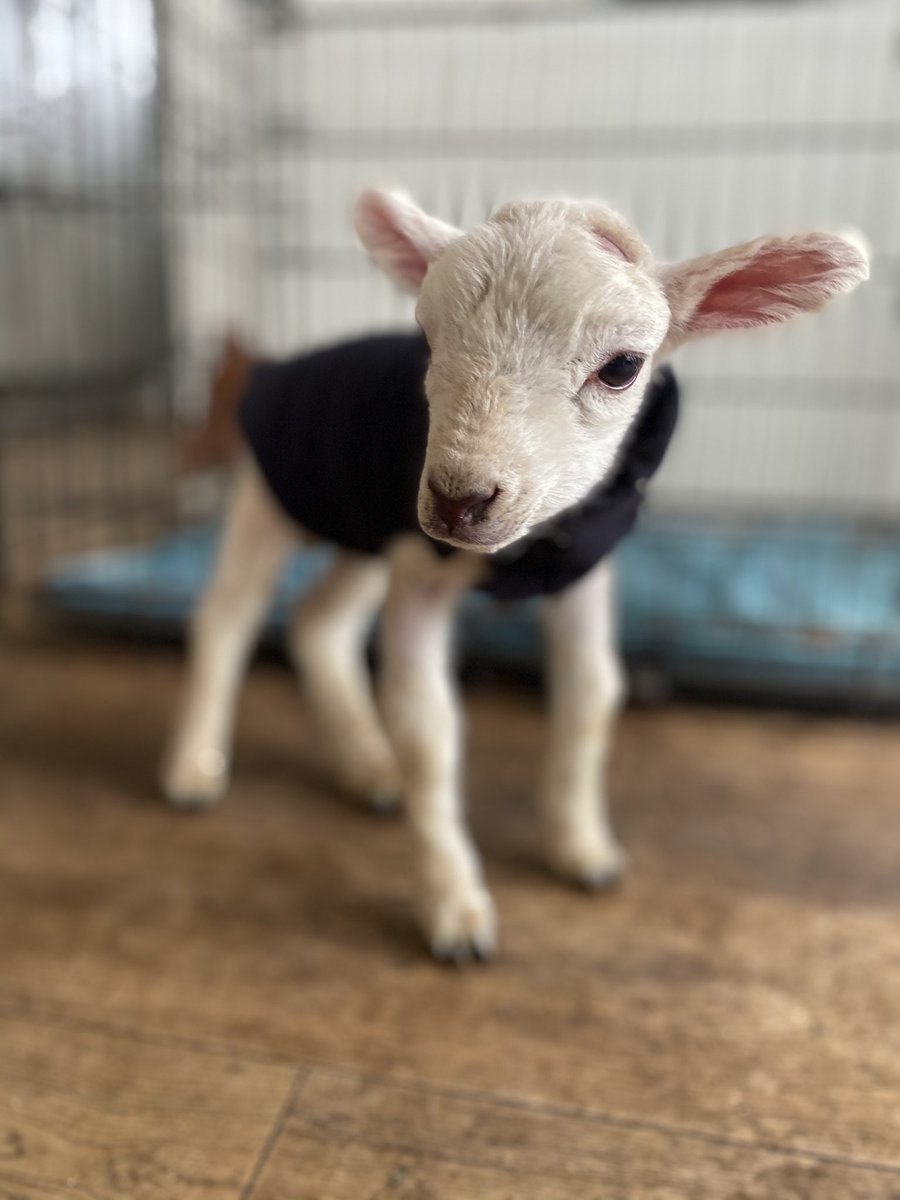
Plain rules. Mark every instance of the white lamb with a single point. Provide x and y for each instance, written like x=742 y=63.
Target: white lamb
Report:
x=545 y=325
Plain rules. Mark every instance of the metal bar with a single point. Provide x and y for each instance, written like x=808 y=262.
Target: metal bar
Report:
x=307 y=16
x=68 y=383
x=861 y=137
x=350 y=262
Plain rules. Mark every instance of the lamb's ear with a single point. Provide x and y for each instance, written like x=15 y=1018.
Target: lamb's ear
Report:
x=400 y=238
x=762 y=282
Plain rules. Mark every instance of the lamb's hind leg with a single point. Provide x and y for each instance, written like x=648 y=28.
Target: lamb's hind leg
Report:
x=254 y=545
x=327 y=640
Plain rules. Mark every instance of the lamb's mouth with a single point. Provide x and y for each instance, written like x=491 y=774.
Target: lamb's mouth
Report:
x=474 y=538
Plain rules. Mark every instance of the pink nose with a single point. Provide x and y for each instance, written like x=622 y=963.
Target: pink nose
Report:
x=463 y=510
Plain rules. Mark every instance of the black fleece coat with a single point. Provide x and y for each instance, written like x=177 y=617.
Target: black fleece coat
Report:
x=340 y=434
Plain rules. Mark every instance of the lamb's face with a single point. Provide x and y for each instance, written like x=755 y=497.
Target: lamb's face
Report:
x=543 y=324
x=542 y=336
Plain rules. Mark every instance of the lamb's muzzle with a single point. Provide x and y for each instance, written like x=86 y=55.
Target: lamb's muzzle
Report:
x=459 y=514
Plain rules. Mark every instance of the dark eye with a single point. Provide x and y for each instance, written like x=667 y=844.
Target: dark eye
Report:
x=620 y=371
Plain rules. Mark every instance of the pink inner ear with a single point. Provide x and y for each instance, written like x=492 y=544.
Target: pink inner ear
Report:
x=391 y=247
x=608 y=244
x=407 y=261
x=759 y=292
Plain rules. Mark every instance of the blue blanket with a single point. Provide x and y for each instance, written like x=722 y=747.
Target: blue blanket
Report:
x=803 y=610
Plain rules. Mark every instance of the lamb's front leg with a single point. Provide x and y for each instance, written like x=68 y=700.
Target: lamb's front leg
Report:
x=423 y=720
x=585 y=693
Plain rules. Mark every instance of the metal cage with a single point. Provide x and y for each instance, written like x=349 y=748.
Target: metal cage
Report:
x=170 y=171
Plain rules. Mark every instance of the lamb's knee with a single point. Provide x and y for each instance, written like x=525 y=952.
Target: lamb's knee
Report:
x=305 y=635
x=593 y=698
x=225 y=610
x=208 y=614
x=327 y=625
x=423 y=728
x=326 y=642
x=613 y=686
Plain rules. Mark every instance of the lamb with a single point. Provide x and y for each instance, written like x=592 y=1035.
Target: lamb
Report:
x=547 y=327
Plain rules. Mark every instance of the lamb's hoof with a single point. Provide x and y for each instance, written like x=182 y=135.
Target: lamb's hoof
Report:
x=370 y=779
x=382 y=800
x=463 y=928
x=385 y=804
x=603 y=879
x=594 y=868
x=197 y=783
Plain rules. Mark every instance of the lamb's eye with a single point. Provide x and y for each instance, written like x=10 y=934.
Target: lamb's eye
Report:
x=620 y=372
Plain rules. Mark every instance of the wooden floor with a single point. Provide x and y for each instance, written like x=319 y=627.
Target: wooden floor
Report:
x=237 y=1005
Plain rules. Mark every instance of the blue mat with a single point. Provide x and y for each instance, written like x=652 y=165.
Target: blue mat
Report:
x=809 y=610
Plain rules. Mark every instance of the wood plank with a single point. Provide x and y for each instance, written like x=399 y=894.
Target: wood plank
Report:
x=105 y=1117
x=744 y=983
x=350 y=1137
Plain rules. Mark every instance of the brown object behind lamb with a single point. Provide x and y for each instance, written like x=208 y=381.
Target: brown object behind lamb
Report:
x=217 y=442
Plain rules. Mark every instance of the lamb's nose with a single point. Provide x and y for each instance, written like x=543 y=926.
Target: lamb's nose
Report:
x=462 y=510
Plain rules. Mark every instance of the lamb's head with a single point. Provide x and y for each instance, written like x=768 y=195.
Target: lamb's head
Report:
x=544 y=324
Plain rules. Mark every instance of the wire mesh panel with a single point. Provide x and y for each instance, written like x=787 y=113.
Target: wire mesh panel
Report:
x=171 y=170
x=706 y=125
x=212 y=208
x=83 y=307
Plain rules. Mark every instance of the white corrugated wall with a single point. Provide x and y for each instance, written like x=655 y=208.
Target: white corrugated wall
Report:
x=704 y=125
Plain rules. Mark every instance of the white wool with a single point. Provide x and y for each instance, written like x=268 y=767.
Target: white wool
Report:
x=519 y=313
